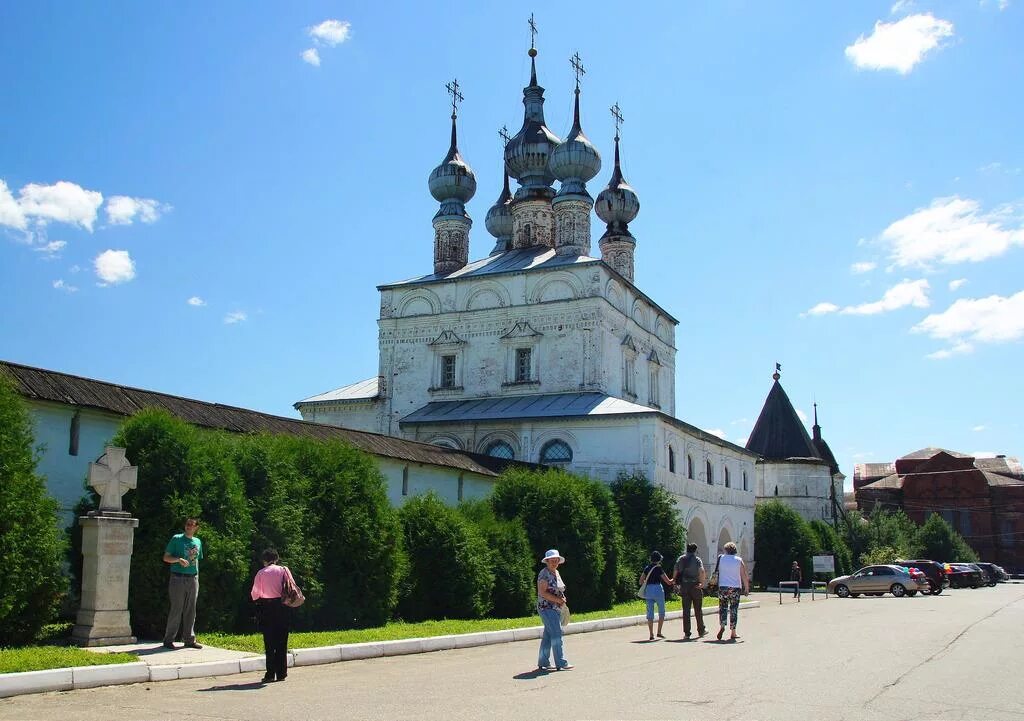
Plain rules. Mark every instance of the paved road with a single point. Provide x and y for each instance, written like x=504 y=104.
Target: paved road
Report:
x=954 y=656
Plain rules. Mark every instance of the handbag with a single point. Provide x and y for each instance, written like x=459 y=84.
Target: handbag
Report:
x=563 y=611
x=642 y=591
x=291 y=594
x=713 y=581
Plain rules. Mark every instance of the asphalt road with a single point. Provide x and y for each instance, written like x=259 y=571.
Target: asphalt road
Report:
x=954 y=656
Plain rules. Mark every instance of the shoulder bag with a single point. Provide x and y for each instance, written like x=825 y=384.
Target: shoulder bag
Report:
x=713 y=581
x=642 y=591
x=291 y=594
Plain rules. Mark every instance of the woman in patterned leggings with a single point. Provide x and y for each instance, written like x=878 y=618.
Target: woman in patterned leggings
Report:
x=732 y=579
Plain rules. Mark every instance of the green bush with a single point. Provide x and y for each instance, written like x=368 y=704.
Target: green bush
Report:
x=450 y=573
x=557 y=510
x=31 y=544
x=650 y=522
x=891 y=529
x=936 y=539
x=782 y=537
x=830 y=542
x=880 y=555
x=511 y=559
x=612 y=585
x=186 y=472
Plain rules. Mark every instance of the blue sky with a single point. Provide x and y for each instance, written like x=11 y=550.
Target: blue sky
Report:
x=836 y=188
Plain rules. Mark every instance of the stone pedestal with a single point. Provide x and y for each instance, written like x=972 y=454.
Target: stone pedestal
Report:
x=107 y=540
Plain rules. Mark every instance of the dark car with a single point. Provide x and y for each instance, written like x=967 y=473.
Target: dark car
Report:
x=994 y=573
x=934 y=571
x=964 y=575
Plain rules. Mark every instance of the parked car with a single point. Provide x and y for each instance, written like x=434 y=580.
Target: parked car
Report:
x=996 y=573
x=989 y=573
x=964 y=575
x=934 y=571
x=876 y=580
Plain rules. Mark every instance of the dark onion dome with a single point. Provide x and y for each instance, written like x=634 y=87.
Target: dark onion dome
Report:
x=618 y=203
x=499 y=217
x=576 y=160
x=528 y=153
x=453 y=179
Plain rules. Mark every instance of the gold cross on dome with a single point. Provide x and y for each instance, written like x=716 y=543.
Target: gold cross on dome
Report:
x=453 y=90
x=617 y=114
x=533 y=31
x=577 y=66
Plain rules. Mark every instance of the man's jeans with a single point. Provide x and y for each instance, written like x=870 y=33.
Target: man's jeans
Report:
x=183 y=590
x=692 y=595
x=551 y=641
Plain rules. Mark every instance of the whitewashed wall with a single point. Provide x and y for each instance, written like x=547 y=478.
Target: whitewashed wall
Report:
x=803 y=486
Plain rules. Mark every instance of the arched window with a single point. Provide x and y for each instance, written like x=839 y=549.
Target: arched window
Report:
x=776 y=490
x=671 y=460
x=445 y=443
x=745 y=481
x=555 y=452
x=726 y=478
x=689 y=466
x=711 y=474
x=501 y=449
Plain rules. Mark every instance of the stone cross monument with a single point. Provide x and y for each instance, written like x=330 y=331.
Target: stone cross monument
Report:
x=107 y=538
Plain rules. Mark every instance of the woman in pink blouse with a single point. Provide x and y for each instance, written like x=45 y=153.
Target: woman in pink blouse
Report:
x=272 y=614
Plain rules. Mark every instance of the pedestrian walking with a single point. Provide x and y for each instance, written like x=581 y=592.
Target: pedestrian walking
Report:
x=550 y=605
x=795 y=574
x=652 y=579
x=183 y=552
x=732 y=579
x=689 y=575
x=272 y=614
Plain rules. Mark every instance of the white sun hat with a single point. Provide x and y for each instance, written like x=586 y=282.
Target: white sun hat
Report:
x=553 y=553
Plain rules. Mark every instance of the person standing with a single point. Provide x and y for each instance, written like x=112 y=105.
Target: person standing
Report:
x=550 y=601
x=183 y=552
x=653 y=577
x=690 y=575
x=272 y=614
x=732 y=578
x=795 y=574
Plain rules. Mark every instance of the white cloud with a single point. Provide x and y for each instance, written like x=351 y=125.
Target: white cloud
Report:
x=717 y=432
x=901 y=6
x=907 y=292
x=970 y=321
x=822 y=309
x=63 y=202
x=801 y=415
x=331 y=32
x=741 y=442
x=11 y=214
x=978 y=429
x=235 y=317
x=953 y=230
x=114 y=267
x=957 y=284
x=196 y=301
x=899 y=45
x=863 y=267
x=123 y=210
x=998 y=169
x=51 y=251
x=311 y=56
x=75 y=268
x=59 y=284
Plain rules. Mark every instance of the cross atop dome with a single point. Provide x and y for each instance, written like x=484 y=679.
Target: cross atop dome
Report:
x=577 y=66
x=457 y=96
x=617 y=114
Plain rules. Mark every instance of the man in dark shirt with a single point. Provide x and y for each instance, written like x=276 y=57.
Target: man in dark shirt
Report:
x=689 y=574
x=795 y=574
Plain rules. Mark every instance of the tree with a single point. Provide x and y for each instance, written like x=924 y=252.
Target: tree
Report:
x=891 y=529
x=782 y=537
x=830 y=542
x=31 y=544
x=511 y=560
x=650 y=522
x=937 y=540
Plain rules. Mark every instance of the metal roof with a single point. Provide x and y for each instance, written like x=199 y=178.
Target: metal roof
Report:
x=519 y=259
x=47 y=385
x=779 y=433
x=361 y=391
x=554 y=405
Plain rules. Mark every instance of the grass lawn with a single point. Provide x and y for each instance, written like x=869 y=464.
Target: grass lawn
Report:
x=40 y=658
x=399 y=630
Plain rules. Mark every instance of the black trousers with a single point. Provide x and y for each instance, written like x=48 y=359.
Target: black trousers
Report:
x=693 y=597
x=273 y=622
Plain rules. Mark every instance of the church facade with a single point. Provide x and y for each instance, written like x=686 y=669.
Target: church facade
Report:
x=540 y=351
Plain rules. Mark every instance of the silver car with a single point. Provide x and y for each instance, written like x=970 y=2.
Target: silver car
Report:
x=876 y=580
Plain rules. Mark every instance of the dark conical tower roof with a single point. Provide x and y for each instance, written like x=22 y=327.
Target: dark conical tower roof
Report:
x=779 y=433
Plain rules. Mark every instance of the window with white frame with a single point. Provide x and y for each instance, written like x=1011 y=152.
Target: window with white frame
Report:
x=628 y=381
x=689 y=466
x=447 y=371
x=725 y=477
x=556 y=452
x=745 y=488
x=524 y=363
x=501 y=449
x=711 y=473
x=671 y=460
x=655 y=395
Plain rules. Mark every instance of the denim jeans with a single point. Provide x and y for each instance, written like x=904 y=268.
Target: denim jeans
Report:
x=655 y=594
x=551 y=641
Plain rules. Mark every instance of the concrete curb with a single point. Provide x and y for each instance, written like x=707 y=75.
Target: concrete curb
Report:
x=66 y=679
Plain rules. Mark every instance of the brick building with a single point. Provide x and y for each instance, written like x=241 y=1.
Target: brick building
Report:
x=982 y=498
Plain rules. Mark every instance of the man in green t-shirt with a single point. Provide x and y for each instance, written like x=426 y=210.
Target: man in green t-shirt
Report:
x=183 y=553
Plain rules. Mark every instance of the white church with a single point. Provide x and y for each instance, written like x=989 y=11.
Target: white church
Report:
x=540 y=351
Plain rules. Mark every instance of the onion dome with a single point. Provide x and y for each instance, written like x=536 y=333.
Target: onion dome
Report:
x=499 y=217
x=528 y=153
x=576 y=160
x=453 y=179
x=618 y=203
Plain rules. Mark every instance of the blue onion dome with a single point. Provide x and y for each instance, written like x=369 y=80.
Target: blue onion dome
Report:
x=453 y=179
x=499 y=217
x=617 y=203
x=576 y=158
x=528 y=153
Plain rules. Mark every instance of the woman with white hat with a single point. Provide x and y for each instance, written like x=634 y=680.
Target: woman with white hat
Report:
x=550 y=601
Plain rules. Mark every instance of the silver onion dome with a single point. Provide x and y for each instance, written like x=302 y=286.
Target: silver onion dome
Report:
x=453 y=179
x=499 y=217
x=576 y=160
x=618 y=203
x=528 y=153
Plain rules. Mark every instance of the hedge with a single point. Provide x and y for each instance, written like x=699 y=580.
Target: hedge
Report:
x=511 y=559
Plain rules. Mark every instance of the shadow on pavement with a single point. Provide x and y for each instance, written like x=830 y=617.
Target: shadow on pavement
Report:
x=535 y=673
x=250 y=686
